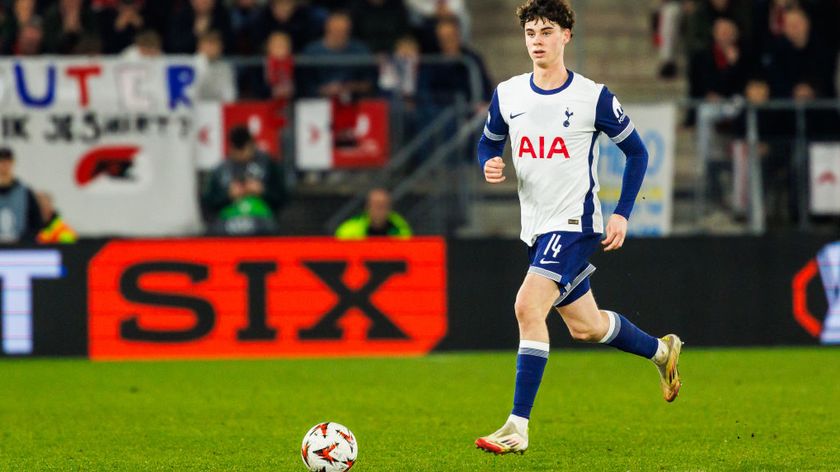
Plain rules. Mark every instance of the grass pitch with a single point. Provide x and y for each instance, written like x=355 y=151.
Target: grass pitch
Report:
x=755 y=409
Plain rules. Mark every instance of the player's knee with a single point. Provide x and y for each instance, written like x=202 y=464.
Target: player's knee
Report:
x=527 y=314
x=585 y=333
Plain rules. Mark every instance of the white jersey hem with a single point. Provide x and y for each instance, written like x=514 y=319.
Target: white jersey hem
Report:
x=570 y=228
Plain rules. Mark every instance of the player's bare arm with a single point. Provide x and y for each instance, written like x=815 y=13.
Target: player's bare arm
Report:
x=493 y=170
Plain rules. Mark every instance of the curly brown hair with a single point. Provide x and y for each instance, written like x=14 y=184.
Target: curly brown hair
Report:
x=555 y=11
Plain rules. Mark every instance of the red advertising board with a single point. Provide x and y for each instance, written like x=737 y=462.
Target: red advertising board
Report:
x=261 y=118
x=335 y=135
x=218 y=298
x=361 y=134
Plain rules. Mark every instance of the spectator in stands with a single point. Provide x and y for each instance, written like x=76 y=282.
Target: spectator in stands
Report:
x=378 y=23
x=215 y=80
x=398 y=73
x=302 y=23
x=444 y=84
x=378 y=219
x=30 y=38
x=666 y=33
x=424 y=16
x=723 y=75
x=798 y=66
x=20 y=216
x=245 y=192
x=398 y=79
x=279 y=66
x=274 y=79
x=65 y=22
x=757 y=92
x=189 y=22
x=342 y=82
x=701 y=15
x=120 y=24
x=146 y=44
x=774 y=129
x=768 y=24
x=56 y=230
x=810 y=72
x=723 y=68
x=698 y=35
x=22 y=13
x=245 y=17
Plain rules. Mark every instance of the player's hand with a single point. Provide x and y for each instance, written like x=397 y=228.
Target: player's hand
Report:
x=236 y=190
x=493 y=170
x=254 y=187
x=616 y=232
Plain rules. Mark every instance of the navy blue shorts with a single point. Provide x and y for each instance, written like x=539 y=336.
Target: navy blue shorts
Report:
x=563 y=256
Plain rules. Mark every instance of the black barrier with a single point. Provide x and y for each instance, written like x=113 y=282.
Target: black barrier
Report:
x=60 y=305
x=712 y=291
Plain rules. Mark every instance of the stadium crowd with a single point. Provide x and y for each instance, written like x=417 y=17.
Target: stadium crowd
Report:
x=247 y=49
x=759 y=49
x=264 y=49
x=393 y=33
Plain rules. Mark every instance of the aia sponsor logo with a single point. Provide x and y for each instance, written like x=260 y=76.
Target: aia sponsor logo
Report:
x=536 y=148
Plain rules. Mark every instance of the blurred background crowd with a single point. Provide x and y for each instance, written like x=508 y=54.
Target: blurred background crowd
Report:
x=276 y=30
x=752 y=79
x=758 y=49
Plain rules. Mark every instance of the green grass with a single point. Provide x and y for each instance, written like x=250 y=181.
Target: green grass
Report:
x=754 y=409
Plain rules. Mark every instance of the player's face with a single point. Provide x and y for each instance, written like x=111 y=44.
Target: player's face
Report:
x=545 y=41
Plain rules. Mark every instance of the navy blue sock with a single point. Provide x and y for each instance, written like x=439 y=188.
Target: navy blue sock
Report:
x=626 y=336
x=530 y=364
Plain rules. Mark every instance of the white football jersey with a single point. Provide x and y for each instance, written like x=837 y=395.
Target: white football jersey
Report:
x=553 y=136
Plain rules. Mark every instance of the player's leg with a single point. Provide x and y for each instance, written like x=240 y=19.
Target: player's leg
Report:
x=587 y=323
x=533 y=302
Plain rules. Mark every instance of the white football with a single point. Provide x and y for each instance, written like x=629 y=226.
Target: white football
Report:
x=329 y=447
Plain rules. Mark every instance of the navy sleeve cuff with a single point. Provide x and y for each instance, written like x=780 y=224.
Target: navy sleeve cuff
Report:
x=488 y=149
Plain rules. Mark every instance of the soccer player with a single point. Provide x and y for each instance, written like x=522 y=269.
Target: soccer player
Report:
x=554 y=117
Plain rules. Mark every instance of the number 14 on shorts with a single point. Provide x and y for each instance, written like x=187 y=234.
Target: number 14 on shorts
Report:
x=553 y=247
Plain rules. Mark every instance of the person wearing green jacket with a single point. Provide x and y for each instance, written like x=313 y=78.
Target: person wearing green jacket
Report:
x=378 y=219
x=245 y=192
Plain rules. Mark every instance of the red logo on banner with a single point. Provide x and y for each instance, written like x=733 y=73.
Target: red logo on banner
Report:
x=266 y=297
x=113 y=161
x=827 y=177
